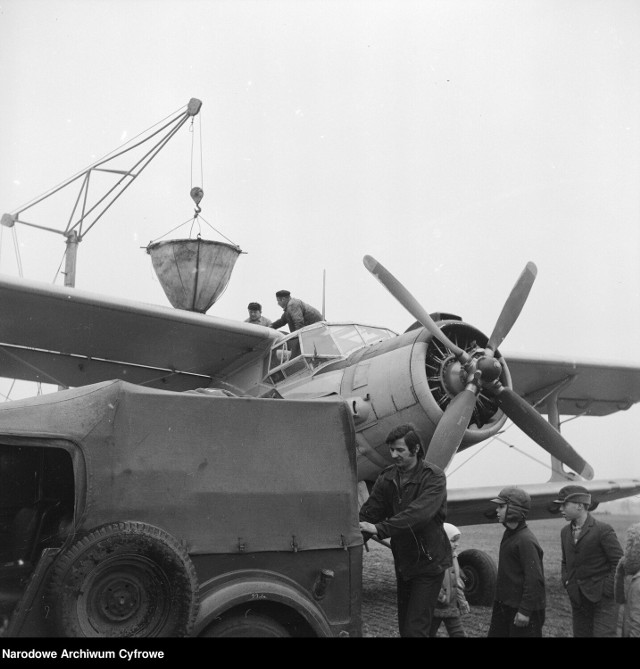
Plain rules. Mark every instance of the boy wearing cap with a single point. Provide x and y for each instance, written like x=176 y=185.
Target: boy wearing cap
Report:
x=255 y=315
x=590 y=554
x=296 y=313
x=520 y=599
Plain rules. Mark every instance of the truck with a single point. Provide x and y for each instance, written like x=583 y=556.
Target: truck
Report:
x=128 y=511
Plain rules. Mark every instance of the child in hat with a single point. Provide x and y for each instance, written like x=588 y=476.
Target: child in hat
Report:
x=452 y=603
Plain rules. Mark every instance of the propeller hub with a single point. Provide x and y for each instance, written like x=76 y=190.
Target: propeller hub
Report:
x=490 y=368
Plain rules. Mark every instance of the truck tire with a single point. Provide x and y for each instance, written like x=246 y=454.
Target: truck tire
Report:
x=479 y=573
x=124 y=579
x=247 y=625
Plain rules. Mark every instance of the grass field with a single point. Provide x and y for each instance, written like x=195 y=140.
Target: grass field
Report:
x=378 y=604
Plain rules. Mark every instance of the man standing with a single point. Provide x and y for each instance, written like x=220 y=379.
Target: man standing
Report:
x=520 y=600
x=296 y=314
x=255 y=315
x=590 y=554
x=408 y=503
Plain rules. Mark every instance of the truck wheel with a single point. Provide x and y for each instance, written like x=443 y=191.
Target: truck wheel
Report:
x=247 y=625
x=479 y=574
x=124 y=579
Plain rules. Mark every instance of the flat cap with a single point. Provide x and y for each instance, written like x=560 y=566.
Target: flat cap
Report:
x=573 y=493
x=283 y=293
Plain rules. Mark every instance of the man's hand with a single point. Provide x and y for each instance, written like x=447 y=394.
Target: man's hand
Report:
x=369 y=528
x=521 y=620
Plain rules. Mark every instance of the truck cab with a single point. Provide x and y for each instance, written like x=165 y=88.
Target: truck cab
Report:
x=128 y=511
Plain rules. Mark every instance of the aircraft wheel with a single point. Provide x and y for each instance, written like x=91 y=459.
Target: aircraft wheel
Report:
x=124 y=579
x=247 y=625
x=479 y=573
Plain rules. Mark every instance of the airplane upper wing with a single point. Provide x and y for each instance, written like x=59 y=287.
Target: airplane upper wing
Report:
x=592 y=388
x=65 y=336
x=471 y=506
x=69 y=337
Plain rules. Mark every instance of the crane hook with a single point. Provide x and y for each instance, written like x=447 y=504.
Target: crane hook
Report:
x=196 y=195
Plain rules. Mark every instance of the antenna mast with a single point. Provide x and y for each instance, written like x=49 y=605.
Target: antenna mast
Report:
x=324 y=276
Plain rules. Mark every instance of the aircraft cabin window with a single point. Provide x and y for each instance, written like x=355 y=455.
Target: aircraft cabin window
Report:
x=298 y=365
x=276 y=377
x=285 y=352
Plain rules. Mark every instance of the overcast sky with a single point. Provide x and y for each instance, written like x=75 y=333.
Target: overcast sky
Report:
x=452 y=140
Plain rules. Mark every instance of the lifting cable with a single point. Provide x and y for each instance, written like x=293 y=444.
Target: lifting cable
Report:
x=196 y=192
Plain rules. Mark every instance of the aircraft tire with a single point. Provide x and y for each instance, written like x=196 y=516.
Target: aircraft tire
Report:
x=124 y=579
x=247 y=625
x=479 y=573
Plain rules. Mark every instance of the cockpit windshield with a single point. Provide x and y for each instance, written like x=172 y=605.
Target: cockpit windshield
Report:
x=310 y=348
x=350 y=337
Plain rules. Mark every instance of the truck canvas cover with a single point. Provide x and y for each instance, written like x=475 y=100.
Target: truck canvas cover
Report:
x=218 y=472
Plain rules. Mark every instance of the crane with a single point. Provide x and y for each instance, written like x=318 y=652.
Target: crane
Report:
x=85 y=215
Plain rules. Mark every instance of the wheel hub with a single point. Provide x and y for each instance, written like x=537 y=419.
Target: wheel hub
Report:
x=119 y=600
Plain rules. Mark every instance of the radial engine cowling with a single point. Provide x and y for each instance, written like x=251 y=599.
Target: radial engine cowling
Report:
x=412 y=379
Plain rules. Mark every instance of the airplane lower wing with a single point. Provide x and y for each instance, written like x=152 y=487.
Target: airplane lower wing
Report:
x=471 y=506
x=68 y=337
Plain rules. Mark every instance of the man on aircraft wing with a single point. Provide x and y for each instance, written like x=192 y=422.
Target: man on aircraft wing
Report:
x=255 y=315
x=408 y=503
x=296 y=314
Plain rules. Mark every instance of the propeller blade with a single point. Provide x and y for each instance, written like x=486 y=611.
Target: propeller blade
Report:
x=451 y=428
x=410 y=303
x=513 y=306
x=541 y=431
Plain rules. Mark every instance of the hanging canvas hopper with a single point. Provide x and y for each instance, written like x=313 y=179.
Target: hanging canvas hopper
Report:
x=193 y=272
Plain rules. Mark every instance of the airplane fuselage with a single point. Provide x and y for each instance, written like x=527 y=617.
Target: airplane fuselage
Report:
x=387 y=379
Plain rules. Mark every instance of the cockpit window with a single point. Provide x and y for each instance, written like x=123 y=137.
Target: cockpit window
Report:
x=347 y=338
x=285 y=352
x=319 y=343
x=371 y=335
x=351 y=337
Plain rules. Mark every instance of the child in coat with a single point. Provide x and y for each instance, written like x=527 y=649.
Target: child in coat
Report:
x=452 y=603
x=627 y=583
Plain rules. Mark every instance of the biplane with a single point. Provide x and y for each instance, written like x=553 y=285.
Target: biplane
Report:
x=442 y=374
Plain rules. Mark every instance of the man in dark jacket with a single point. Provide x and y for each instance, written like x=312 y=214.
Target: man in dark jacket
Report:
x=520 y=600
x=408 y=503
x=590 y=554
x=296 y=314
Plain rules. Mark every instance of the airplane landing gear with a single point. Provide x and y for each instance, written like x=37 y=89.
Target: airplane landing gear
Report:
x=479 y=573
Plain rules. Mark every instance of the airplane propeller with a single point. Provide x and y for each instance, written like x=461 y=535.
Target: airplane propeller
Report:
x=481 y=372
